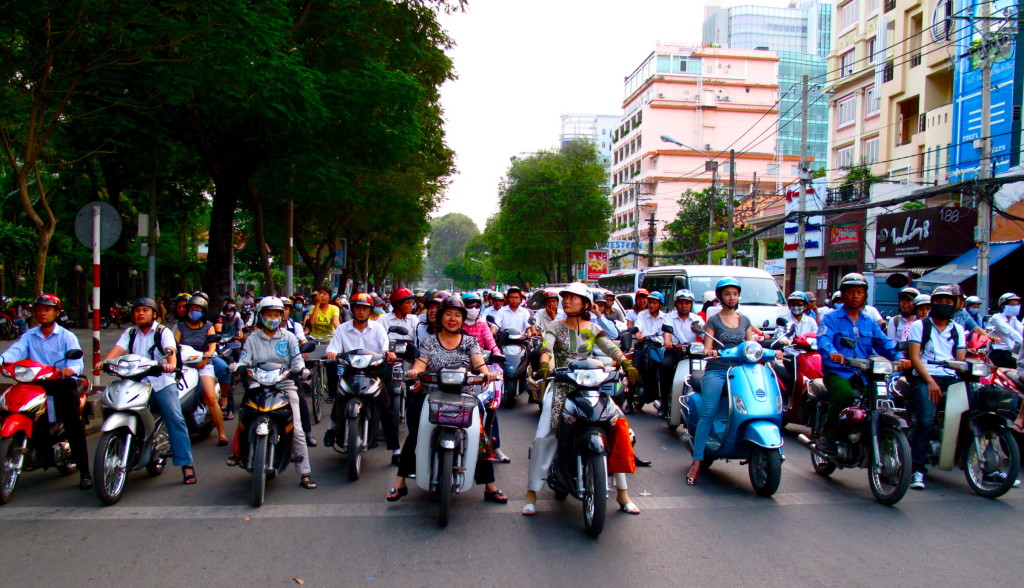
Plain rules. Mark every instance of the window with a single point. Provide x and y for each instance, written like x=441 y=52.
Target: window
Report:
x=846 y=111
x=848 y=15
x=870 y=150
x=773 y=169
x=844 y=157
x=846 y=63
x=872 y=102
x=871 y=49
x=870 y=6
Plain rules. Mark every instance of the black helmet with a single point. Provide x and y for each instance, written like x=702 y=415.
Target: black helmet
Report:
x=228 y=306
x=145 y=302
x=452 y=302
x=851 y=280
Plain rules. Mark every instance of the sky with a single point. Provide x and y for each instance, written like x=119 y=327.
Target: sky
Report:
x=521 y=64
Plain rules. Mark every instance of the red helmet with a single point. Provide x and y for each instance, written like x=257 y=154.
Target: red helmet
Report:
x=49 y=300
x=401 y=295
x=361 y=298
x=852 y=416
x=641 y=292
x=550 y=294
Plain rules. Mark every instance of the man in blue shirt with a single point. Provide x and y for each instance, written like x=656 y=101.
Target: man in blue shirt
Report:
x=47 y=344
x=849 y=321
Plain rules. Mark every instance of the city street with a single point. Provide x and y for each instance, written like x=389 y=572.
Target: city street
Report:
x=814 y=532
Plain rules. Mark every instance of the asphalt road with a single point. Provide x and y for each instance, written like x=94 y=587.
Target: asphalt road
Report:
x=815 y=531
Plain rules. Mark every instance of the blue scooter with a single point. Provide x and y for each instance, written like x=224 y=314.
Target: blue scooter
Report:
x=749 y=419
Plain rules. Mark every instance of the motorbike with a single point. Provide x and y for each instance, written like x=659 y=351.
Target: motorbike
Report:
x=800 y=365
x=117 y=316
x=873 y=431
x=190 y=393
x=134 y=437
x=24 y=409
x=449 y=436
x=580 y=466
x=748 y=423
x=515 y=346
x=691 y=359
x=355 y=410
x=266 y=420
x=401 y=343
x=489 y=394
x=973 y=431
x=248 y=314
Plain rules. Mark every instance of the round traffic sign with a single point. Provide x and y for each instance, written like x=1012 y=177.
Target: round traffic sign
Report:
x=110 y=224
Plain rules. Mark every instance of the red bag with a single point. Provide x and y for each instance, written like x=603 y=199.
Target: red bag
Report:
x=620 y=456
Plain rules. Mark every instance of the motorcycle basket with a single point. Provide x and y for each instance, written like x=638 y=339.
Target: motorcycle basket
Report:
x=992 y=398
x=452 y=410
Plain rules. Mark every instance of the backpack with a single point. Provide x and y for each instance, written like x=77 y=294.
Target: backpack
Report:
x=156 y=338
x=926 y=335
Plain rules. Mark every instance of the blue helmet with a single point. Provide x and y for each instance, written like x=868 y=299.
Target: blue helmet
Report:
x=800 y=296
x=724 y=282
x=471 y=297
x=657 y=296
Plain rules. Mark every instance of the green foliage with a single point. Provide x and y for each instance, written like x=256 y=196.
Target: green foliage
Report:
x=689 y=230
x=449 y=235
x=859 y=175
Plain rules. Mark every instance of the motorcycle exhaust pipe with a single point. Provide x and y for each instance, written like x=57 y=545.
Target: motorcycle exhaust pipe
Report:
x=810 y=445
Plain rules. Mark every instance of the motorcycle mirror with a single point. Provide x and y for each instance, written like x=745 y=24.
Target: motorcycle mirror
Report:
x=848 y=342
x=490 y=319
x=307 y=347
x=667 y=329
x=633 y=330
x=765 y=324
x=74 y=354
x=782 y=321
x=399 y=330
x=212 y=339
x=496 y=358
x=697 y=327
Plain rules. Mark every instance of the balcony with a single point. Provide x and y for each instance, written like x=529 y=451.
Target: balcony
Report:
x=844 y=195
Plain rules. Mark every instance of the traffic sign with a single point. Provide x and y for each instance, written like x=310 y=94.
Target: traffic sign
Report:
x=110 y=224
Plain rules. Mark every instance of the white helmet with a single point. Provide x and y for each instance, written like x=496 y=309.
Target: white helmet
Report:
x=270 y=303
x=1007 y=297
x=578 y=288
x=708 y=296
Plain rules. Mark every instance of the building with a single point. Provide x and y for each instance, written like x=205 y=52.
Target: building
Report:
x=711 y=100
x=801 y=34
x=596 y=128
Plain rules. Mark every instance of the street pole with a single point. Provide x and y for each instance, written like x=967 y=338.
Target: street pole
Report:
x=651 y=224
x=96 y=293
x=985 y=145
x=711 y=209
x=801 y=252
x=729 y=206
x=289 y=284
x=151 y=254
x=636 y=231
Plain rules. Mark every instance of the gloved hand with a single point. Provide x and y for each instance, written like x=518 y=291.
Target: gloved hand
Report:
x=304 y=374
x=631 y=372
x=544 y=372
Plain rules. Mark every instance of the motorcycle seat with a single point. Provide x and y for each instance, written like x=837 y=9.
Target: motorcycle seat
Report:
x=696 y=377
x=817 y=389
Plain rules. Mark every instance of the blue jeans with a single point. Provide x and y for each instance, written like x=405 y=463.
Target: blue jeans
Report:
x=711 y=394
x=925 y=410
x=220 y=369
x=167 y=403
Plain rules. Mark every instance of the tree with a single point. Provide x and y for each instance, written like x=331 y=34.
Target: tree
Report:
x=448 y=237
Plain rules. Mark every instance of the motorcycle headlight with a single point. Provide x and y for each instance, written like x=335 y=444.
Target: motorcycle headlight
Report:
x=883 y=367
x=752 y=352
x=125 y=368
x=400 y=348
x=266 y=377
x=452 y=378
x=360 y=362
x=589 y=378
x=814 y=344
x=738 y=404
x=979 y=369
x=696 y=349
x=24 y=373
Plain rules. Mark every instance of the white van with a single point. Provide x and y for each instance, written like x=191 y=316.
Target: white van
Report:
x=761 y=299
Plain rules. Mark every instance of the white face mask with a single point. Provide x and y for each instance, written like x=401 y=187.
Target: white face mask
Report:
x=472 y=313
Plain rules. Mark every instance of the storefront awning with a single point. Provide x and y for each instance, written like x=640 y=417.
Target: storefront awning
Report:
x=966 y=266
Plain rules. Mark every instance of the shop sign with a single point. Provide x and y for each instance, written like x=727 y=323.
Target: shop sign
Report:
x=926 y=231
x=844 y=233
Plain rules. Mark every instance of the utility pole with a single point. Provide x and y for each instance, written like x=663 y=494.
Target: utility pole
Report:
x=651 y=228
x=636 y=232
x=151 y=253
x=801 y=252
x=729 y=206
x=714 y=198
x=289 y=282
x=984 y=144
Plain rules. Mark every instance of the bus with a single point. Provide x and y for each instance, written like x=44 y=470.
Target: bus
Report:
x=621 y=281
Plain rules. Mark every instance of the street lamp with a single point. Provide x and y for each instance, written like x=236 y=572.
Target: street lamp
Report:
x=714 y=195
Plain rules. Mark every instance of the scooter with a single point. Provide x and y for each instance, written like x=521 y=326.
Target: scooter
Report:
x=266 y=419
x=580 y=466
x=800 y=366
x=133 y=436
x=515 y=346
x=874 y=432
x=691 y=359
x=190 y=393
x=23 y=407
x=401 y=344
x=449 y=436
x=748 y=423
x=489 y=394
x=355 y=410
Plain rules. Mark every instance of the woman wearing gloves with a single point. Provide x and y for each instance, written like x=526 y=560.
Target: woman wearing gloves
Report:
x=565 y=341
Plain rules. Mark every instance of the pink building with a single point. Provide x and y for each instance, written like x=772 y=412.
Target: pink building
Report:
x=711 y=100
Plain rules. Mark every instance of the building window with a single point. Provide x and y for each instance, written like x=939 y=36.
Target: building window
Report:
x=848 y=14
x=872 y=102
x=846 y=111
x=844 y=157
x=870 y=150
x=846 y=63
x=871 y=50
x=773 y=169
x=870 y=6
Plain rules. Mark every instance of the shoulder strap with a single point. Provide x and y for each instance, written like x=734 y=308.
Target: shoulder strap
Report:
x=926 y=333
x=131 y=339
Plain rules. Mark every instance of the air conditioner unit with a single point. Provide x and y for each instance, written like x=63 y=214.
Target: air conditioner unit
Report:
x=660 y=95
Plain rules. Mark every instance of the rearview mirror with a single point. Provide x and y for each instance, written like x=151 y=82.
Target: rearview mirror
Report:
x=848 y=342
x=765 y=324
x=399 y=330
x=532 y=321
x=307 y=347
x=490 y=319
x=74 y=354
x=667 y=329
x=782 y=321
x=697 y=327
x=633 y=330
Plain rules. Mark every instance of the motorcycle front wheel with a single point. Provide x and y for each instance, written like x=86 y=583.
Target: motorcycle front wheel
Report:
x=511 y=390
x=259 y=470
x=595 y=493
x=319 y=392
x=889 y=473
x=354 y=449
x=446 y=478
x=765 y=468
x=992 y=472
x=11 y=452
x=111 y=476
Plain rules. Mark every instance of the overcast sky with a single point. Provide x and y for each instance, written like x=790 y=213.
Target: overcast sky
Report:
x=523 y=63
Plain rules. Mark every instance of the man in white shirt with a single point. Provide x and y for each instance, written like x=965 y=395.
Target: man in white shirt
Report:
x=362 y=333
x=650 y=321
x=798 y=303
x=403 y=302
x=677 y=341
x=549 y=313
x=497 y=301
x=934 y=339
x=515 y=316
x=1008 y=329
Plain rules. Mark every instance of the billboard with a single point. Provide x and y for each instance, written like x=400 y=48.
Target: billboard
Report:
x=927 y=231
x=964 y=159
x=597 y=264
x=814 y=200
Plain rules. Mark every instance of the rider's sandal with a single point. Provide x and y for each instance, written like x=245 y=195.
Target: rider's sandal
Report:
x=189 y=472
x=497 y=497
x=397 y=493
x=222 y=442
x=233 y=461
x=629 y=508
x=307 y=483
x=529 y=509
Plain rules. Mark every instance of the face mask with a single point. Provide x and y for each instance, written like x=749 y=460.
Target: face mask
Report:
x=942 y=312
x=195 y=315
x=973 y=311
x=299 y=307
x=472 y=313
x=1011 y=310
x=796 y=310
x=378 y=310
x=271 y=324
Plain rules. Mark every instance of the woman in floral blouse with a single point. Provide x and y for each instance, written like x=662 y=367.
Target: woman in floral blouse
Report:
x=565 y=341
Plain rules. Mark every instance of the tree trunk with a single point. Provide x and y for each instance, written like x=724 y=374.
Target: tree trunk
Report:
x=261 y=238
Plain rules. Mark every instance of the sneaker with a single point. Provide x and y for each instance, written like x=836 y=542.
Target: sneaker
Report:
x=329 y=437
x=918 y=483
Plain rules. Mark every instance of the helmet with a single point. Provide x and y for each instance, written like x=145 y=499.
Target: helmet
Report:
x=497 y=295
x=852 y=416
x=799 y=296
x=657 y=296
x=851 y=280
x=286 y=301
x=5 y=301
x=1007 y=297
x=377 y=300
x=550 y=294
x=429 y=294
x=943 y=291
x=470 y=297
x=270 y=303
x=837 y=296
x=641 y=292
x=181 y=297
x=51 y=300
x=299 y=299
x=514 y=290
x=957 y=290
x=726 y=282
x=401 y=295
x=138 y=303
x=973 y=300
x=200 y=301
x=684 y=294
x=451 y=302
x=362 y=299
x=343 y=299
x=909 y=292
x=599 y=297
x=202 y=294
x=578 y=288
x=922 y=300
x=439 y=296
x=708 y=296
x=228 y=306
